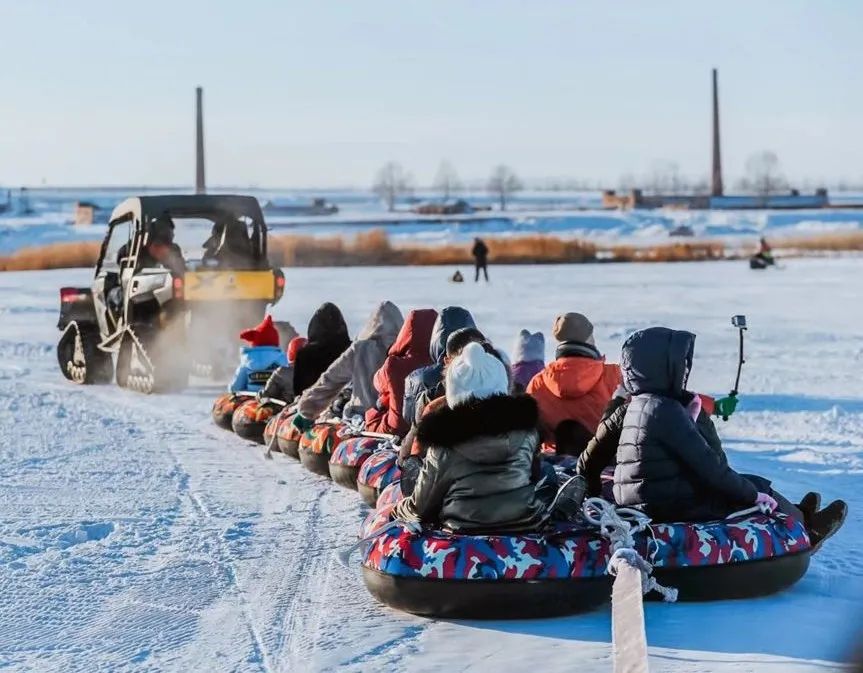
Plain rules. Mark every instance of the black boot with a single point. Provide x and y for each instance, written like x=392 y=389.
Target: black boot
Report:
x=824 y=524
x=810 y=504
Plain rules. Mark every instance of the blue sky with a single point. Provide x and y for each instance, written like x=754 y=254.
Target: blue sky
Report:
x=322 y=93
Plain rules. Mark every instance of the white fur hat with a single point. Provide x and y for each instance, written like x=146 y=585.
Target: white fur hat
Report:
x=474 y=374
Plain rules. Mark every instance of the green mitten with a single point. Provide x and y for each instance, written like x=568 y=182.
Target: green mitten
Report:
x=725 y=406
x=302 y=423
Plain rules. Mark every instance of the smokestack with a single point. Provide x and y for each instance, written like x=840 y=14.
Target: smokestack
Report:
x=200 y=181
x=716 y=180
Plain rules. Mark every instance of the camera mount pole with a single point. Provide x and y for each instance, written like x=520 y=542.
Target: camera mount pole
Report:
x=740 y=362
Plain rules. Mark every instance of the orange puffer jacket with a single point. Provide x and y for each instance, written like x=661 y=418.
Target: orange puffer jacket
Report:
x=573 y=389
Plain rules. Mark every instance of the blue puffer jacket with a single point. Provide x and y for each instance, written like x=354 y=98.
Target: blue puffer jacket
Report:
x=449 y=320
x=664 y=465
x=256 y=365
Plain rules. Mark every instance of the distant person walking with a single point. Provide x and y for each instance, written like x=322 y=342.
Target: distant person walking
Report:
x=480 y=258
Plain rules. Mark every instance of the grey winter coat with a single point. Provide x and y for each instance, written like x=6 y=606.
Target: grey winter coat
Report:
x=664 y=465
x=356 y=366
x=477 y=473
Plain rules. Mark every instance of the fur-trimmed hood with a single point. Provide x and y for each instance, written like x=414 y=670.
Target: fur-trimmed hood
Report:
x=480 y=429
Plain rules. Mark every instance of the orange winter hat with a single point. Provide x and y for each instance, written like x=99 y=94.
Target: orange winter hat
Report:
x=264 y=334
x=296 y=344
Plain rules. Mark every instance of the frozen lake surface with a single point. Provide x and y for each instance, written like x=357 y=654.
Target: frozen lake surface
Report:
x=135 y=535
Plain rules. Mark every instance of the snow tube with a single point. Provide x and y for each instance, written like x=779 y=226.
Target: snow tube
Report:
x=563 y=571
x=224 y=408
x=348 y=457
x=390 y=495
x=316 y=445
x=757 y=263
x=288 y=437
x=250 y=419
x=379 y=471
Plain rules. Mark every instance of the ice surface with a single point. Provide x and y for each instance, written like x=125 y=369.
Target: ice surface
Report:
x=561 y=214
x=135 y=535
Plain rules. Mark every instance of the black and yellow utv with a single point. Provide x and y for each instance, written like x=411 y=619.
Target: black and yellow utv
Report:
x=177 y=278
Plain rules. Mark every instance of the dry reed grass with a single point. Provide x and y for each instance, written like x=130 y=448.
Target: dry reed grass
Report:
x=374 y=248
x=53 y=256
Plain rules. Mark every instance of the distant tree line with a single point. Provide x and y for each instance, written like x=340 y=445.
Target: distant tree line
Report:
x=763 y=177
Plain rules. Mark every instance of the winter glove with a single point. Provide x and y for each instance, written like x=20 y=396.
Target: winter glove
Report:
x=765 y=499
x=725 y=406
x=302 y=423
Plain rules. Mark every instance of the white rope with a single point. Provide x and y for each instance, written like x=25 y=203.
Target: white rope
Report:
x=344 y=555
x=619 y=525
x=632 y=581
x=761 y=508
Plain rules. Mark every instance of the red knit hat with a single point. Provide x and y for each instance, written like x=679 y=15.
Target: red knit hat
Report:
x=264 y=334
x=296 y=344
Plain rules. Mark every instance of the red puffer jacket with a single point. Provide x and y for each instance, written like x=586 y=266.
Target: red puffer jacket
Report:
x=409 y=352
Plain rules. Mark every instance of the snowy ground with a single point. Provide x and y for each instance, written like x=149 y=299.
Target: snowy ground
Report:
x=134 y=535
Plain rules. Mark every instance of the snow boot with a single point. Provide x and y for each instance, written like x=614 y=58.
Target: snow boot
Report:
x=566 y=505
x=825 y=523
x=808 y=505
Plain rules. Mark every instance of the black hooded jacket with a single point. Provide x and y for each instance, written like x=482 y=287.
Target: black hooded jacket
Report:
x=328 y=338
x=664 y=465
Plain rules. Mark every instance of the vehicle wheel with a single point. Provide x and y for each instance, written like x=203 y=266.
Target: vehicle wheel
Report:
x=148 y=364
x=79 y=356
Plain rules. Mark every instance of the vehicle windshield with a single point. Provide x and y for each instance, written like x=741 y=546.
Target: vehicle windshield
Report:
x=227 y=242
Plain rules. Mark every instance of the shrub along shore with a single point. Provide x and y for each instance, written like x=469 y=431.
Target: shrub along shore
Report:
x=374 y=248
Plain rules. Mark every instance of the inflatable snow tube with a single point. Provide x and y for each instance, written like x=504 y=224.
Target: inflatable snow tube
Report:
x=224 y=408
x=390 y=495
x=348 y=457
x=379 y=471
x=316 y=445
x=563 y=571
x=288 y=437
x=250 y=419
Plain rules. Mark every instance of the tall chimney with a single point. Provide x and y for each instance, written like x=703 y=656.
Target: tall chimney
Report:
x=200 y=181
x=716 y=179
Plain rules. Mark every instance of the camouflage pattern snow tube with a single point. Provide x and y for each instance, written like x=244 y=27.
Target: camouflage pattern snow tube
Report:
x=250 y=419
x=349 y=456
x=316 y=445
x=224 y=408
x=563 y=570
x=288 y=437
x=378 y=472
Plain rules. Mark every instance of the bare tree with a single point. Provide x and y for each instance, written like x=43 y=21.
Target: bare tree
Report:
x=763 y=176
x=446 y=181
x=391 y=182
x=503 y=182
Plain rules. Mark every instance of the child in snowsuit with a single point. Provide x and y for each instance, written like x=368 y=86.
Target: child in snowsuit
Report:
x=409 y=352
x=260 y=358
x=572 y=391
x=356 y=366
x=280 y=385
x=477 y=476
x=528 y=358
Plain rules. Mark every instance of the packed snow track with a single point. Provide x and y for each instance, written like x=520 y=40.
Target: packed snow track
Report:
x=136 y=536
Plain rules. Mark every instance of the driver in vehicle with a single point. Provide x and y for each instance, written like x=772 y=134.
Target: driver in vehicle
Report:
x=229 y=245
x=160 y=251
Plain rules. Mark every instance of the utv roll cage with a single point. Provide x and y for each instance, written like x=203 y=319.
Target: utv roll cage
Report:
x=143 y=210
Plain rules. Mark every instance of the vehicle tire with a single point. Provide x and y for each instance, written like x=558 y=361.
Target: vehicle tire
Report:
x=146 y=365
x=79 y=356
